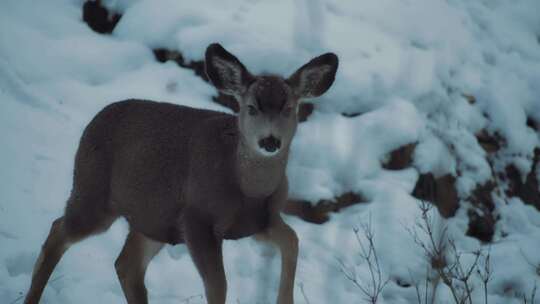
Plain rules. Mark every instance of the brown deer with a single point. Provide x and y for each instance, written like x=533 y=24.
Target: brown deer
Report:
x=184 y=175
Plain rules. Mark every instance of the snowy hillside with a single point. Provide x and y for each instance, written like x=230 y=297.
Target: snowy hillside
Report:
x=433 y=99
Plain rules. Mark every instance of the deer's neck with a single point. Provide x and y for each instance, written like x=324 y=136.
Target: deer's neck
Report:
x=259 y=176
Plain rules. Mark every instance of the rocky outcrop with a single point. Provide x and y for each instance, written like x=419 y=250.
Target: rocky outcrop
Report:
x=319 y=212
x=527 y=190
x=441 y=191
x=99 y=18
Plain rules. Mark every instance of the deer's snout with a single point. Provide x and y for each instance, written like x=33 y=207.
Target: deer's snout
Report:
x=270 y=144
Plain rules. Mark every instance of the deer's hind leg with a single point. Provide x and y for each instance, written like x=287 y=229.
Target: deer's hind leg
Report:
x=61 y=236
x=52 y=250
x=132 y=263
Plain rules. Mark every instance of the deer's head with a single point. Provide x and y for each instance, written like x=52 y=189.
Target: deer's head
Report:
x=268 y=104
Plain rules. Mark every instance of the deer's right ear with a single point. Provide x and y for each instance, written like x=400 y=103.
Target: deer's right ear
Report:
x=225 y=71
x=315 y=77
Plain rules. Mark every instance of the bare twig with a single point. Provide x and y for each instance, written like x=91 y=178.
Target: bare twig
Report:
x=301 y=285
x=445 y=258
x=435 y=247
x=17 y=300
x=533 y=296
x=369 y=254
x=58 y=278
x=536 y=267
x=416 y=288
x=485 y=273
x=424 y=299
x=188 y=299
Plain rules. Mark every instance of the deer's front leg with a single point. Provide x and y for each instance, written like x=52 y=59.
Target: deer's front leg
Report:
x=205 y=249
x=284 y=237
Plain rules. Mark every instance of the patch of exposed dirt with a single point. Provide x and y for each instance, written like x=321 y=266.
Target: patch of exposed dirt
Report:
x=482 y=219
x=529 y=190
x=319 y=213
x=490 y=143
x=441 y=191
x=400 y=158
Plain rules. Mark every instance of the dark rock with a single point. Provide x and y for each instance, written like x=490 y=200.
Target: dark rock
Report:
x=531 y=123
x=400 y=158
x=481 y=227
x=197 y=66
x=319 y=213
x=164 y=55
x=481 y=217
x=99 y=18
x=470 y=98
x=352 y=114
x=425 y=187
x=481 y=196
x=528 y=191
x=490 y=143
x=404 y=283
x=440 y=191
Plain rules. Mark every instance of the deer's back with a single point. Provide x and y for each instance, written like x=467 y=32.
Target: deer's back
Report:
x=140 y=150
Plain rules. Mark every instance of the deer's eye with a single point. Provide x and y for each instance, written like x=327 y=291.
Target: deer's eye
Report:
x=252 y=110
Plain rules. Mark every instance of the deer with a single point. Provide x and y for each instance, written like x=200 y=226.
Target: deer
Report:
x=183 y=175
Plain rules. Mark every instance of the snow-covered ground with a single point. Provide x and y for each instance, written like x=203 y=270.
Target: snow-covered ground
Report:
x=404 y=65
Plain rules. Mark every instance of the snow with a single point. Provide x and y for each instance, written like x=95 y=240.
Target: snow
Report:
x=356 y=152
x=404 y=67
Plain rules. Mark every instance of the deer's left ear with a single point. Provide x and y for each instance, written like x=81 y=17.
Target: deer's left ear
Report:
x=225 y=71
x=315 y=77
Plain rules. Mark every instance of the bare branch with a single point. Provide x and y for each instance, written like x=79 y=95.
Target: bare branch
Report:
x=368 y=253
x=533 y=296
x=446 y=259
x=536 y=267
x=301 y=285
x=485 y=273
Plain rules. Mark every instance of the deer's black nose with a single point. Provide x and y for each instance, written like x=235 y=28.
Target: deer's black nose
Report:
x=270 y=143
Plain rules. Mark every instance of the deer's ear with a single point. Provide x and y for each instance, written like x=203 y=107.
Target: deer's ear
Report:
x=315 y=77
x=225 y=71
